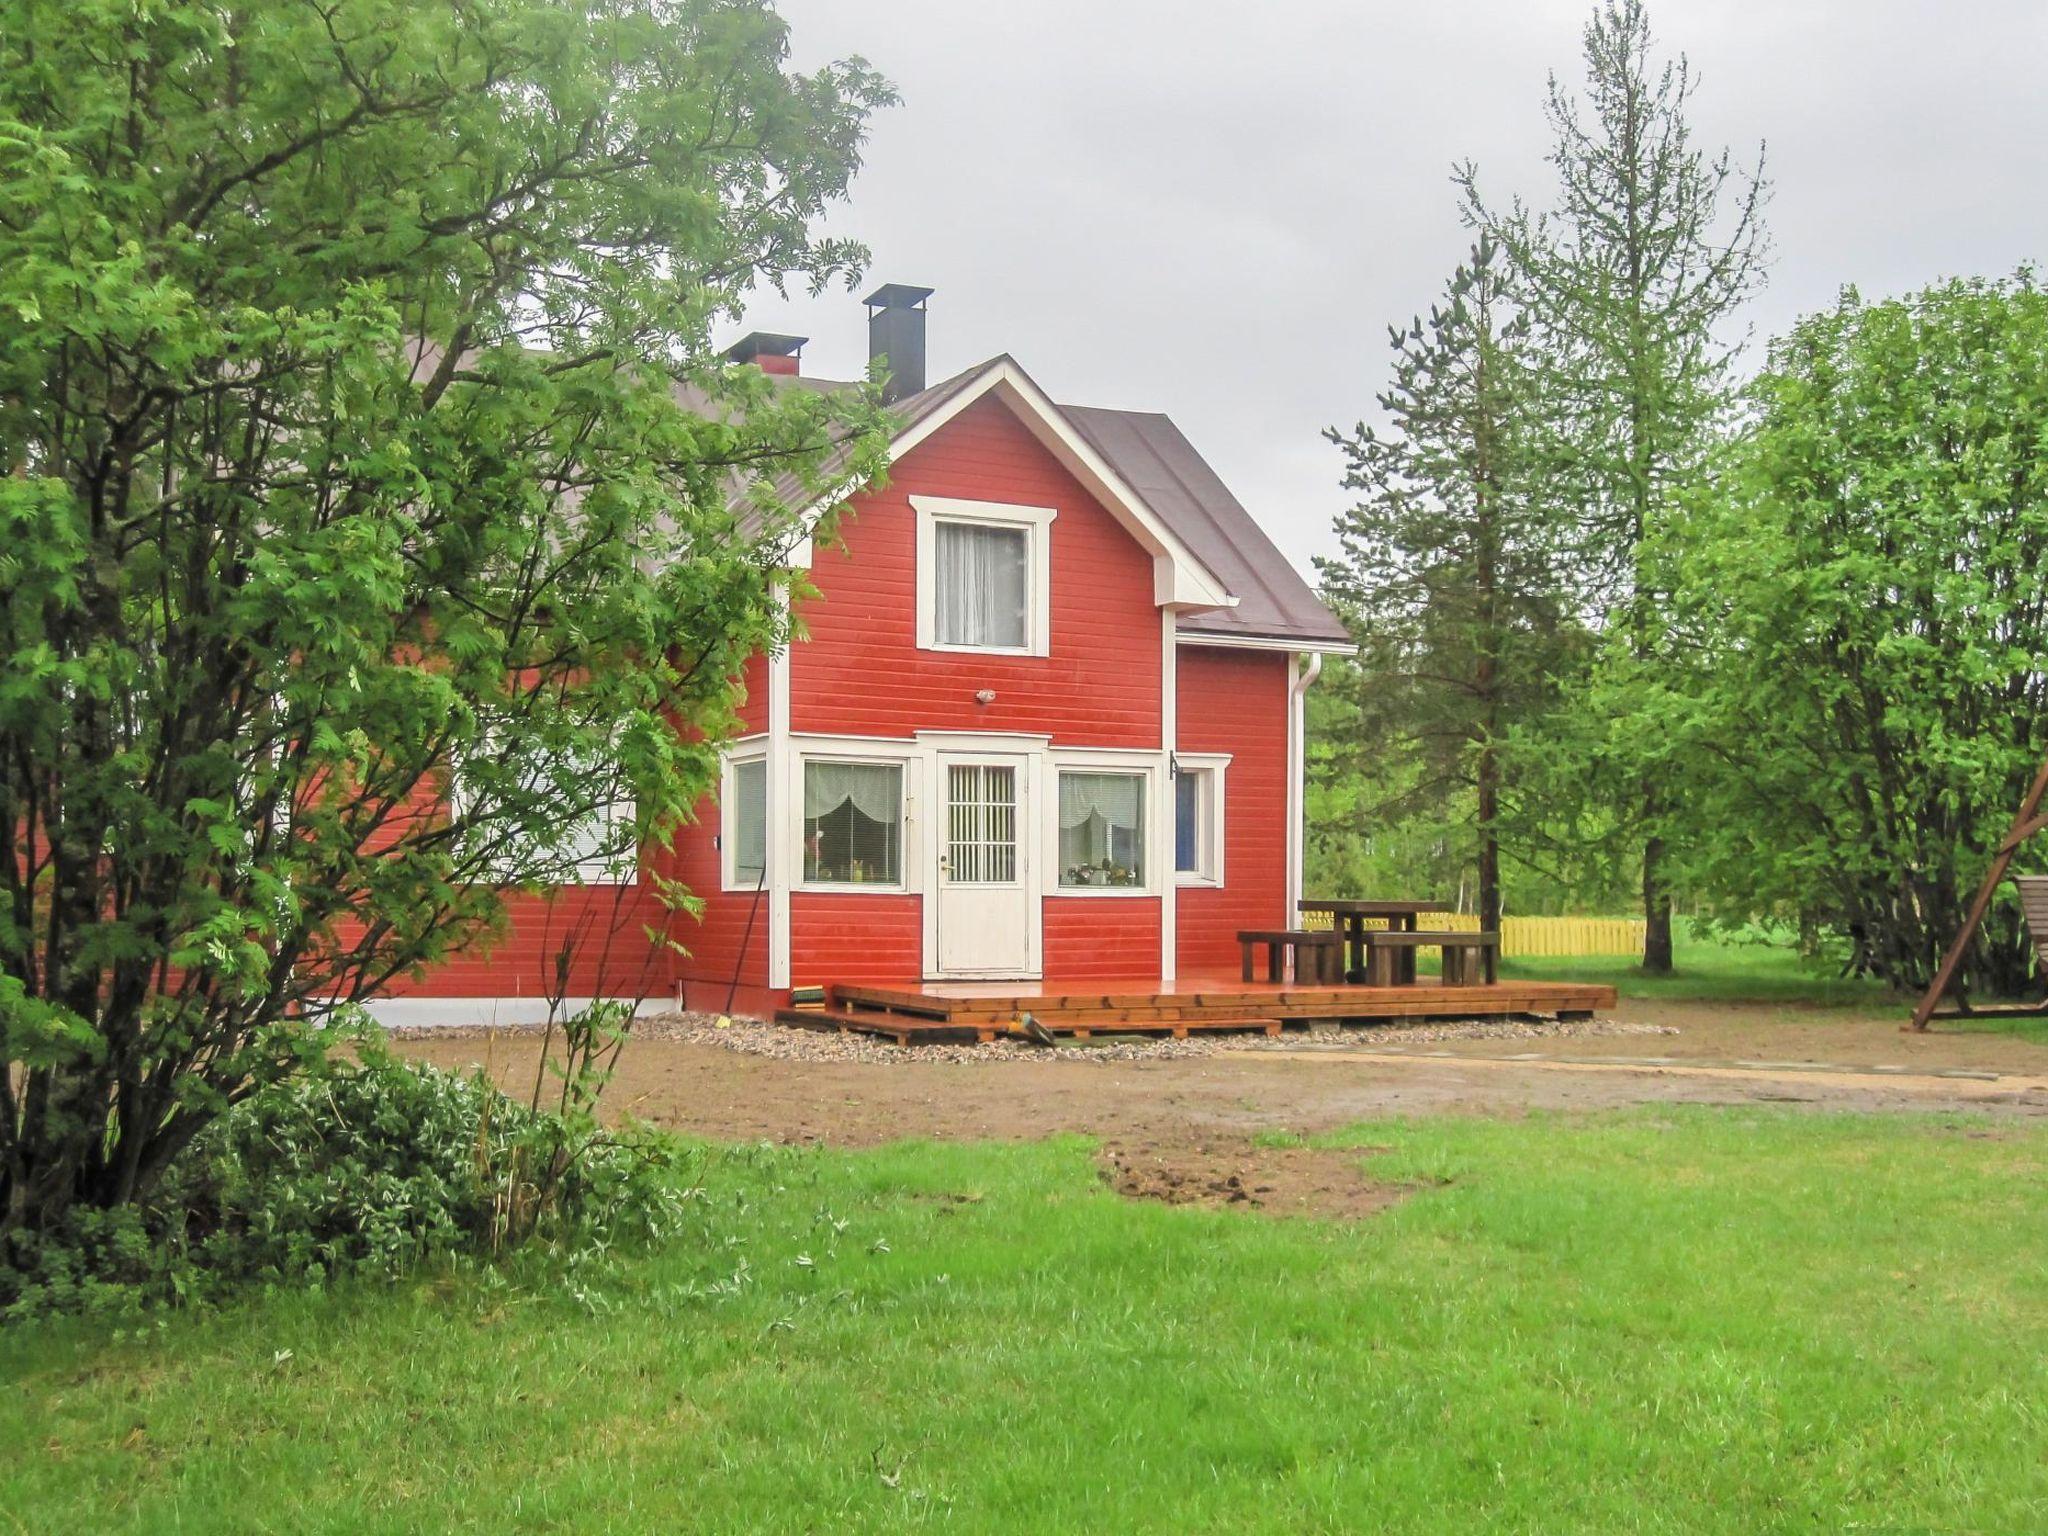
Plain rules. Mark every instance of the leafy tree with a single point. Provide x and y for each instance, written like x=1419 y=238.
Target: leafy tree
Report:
x=360 y=551
x=1448 y=571
x=1631 y=283
x=1867 y=591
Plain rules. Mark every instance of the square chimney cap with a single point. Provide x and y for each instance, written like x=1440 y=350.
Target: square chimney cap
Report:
x=764 y=344
x=898 y=296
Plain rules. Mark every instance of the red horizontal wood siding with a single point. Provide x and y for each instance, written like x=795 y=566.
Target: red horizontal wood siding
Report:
x=1236 y=702
x=603 y=926
x=727 y=945
x=861 y=673
x=849 y=936
x=753 y=707
x=1101 y=938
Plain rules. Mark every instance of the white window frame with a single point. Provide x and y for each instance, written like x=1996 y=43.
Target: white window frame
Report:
x=1037 y=525
x=1145 y=765
x=571 y=873
x=729 y=877
x=1211 y=768
x=854 y=754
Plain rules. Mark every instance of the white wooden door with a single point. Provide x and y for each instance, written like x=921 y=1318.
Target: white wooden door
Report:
x=988 y=910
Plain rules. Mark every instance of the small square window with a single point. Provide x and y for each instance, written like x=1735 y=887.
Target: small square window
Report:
x=1102 y=830
x=853 y=823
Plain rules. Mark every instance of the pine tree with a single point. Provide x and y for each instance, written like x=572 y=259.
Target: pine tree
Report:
x=1448 y=573
x=1631 y=284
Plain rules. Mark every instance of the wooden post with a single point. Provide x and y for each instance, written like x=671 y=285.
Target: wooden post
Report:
x=2024 y=825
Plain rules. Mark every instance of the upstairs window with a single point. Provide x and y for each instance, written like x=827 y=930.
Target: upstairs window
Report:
x=853 y=823
x=982 y=586
x=983 y=572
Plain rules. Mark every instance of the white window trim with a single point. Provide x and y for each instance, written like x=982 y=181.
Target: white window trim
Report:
x=1210 y=832
x=573 y=874
x=728 y=830
x=1035 y=521
x=1147 y=765
x=864 y=753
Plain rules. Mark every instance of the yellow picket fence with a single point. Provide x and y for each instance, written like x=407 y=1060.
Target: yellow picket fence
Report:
x=1536 y=937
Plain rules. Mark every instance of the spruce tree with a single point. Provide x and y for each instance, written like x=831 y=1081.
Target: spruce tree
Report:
x=1447 y=574
x=1631 y=284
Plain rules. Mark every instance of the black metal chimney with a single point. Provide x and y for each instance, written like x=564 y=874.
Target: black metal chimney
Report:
x=896 y=337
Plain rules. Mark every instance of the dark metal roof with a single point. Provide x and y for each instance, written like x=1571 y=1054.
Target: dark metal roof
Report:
x=1158 y=461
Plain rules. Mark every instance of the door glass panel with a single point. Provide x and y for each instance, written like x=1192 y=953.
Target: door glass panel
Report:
x=981 y=824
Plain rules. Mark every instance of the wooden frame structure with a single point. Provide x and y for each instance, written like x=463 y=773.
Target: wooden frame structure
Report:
x=2030 y=820
x=912 y=1013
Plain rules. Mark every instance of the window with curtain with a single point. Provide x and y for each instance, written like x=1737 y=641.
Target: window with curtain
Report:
x=1102 y=829
x=981 y=585
x=749 y=825
x=853 y=823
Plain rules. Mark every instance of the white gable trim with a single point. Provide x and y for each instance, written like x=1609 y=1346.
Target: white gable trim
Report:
x=1179 y=579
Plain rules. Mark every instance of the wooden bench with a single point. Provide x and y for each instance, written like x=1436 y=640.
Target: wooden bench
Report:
x=1470 y=959
x=1318 y=954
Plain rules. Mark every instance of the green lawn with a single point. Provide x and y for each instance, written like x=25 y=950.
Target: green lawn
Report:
x=1718 y=970
x=1671 y=1320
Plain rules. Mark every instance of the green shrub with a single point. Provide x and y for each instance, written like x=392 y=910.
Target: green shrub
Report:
x=371 y=1167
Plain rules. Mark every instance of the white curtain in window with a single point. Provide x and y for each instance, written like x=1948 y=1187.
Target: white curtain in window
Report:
x=983 y=584
x=874 y=789
x=1102 y=821
x=1118 y=798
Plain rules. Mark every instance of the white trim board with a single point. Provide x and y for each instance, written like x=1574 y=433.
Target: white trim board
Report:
x=1266 y=643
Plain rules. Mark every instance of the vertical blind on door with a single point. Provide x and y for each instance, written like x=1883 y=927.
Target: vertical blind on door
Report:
x=981 y=824
x=983 y=585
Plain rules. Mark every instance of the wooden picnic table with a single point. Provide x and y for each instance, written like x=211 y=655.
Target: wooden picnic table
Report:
x=1349 y=917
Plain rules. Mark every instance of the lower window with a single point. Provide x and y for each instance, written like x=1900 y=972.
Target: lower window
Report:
x=1102 y=830
x=1197 y=825
x=853 y=823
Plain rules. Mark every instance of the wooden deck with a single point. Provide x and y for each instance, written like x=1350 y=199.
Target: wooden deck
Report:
x=920 y=1012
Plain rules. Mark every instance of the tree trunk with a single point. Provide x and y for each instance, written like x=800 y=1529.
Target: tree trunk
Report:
x=1489 y=840
x=1656 y=910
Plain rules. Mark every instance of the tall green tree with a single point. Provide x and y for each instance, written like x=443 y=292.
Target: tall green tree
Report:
x=360 y=555
x=1447 y=574
x=1865 y=586
x=1633 y=282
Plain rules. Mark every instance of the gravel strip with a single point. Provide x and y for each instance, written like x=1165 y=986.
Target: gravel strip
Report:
x=780 y=1042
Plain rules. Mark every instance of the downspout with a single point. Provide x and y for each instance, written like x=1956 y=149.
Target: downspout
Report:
x=1303 y=679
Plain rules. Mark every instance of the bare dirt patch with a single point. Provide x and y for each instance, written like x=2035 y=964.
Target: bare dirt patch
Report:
x=1222 y=1097
x=1245 y=1176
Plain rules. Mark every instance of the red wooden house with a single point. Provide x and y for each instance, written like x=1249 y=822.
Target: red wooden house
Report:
x=1046 y=725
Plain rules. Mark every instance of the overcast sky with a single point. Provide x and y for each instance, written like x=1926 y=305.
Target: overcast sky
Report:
x=1214 y=210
